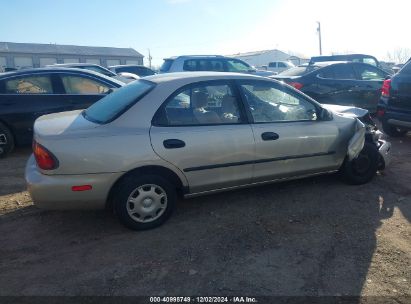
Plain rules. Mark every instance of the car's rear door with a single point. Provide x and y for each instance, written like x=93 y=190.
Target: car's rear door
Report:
x=202 y=130
x=290 y=138
x=80 y=91
x=24 y=98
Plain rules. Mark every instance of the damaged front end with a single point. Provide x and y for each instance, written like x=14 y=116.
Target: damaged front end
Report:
x=366 y=131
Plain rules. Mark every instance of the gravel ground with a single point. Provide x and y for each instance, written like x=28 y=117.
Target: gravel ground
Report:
x=310 y=237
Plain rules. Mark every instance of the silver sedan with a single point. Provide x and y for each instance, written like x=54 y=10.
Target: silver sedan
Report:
x=187 y=134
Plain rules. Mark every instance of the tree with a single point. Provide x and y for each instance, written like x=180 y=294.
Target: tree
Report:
x=399 y=55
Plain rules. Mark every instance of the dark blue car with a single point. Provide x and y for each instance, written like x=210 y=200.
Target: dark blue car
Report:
x=342 y=83
x=394 y=108
x=27 y=94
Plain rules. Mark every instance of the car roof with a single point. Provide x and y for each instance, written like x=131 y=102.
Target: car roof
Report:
x=128 y=65
x=61 y=70
x=195 y=56
x=200 y=76
x=73 y=64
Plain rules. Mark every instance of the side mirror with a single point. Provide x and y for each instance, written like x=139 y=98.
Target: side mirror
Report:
x=325 y=115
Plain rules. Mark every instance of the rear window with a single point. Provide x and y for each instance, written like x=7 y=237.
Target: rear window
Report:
x=300 y=70
x=165 y=67
x=113 y=105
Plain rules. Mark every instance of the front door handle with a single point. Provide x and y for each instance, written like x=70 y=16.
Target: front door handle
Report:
x=173 y=143
x=270 y=136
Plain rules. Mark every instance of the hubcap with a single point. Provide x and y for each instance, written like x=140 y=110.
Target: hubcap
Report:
x=3 y=139
x=147 y=203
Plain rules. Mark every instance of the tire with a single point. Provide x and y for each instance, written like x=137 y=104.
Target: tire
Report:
x=363 y=168
x=393 y=131
x=6 y=141
x=144 y=202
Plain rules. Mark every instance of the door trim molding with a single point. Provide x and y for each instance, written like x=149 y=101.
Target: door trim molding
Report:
x=257 y=161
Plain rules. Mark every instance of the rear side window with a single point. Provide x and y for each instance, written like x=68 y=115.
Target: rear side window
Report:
x=200 y=105
x=300 y=70
x=165 y=67
x=113 y=105
x=272 y=65
x=82 y=85
x=29 y=85
x=343 y=71
x=203 y=65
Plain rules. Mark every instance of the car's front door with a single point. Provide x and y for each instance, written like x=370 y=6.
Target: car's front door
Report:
x=336 y=84
x=201 y=129
x=290 y=138
x=80 y=92
x=370 y=81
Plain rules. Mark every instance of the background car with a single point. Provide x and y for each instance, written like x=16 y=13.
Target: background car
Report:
x=279 y=66
x=27 y=94
x=191 y=134
x=139 y=70
x=347 y=57
x=92 y=67
x=215 y=63
x=394 y=107
x=342 y=83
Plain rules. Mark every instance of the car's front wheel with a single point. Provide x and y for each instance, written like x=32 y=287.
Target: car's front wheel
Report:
x=6 y=140
x=361 y=169
x=144 y=202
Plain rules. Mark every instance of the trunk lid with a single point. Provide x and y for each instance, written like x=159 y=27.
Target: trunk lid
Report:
x=61 y=124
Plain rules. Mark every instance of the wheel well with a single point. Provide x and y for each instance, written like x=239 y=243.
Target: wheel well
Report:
x=10 y=129
x=152 y=170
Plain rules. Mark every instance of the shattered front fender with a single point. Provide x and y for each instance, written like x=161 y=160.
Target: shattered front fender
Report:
x=356 y=143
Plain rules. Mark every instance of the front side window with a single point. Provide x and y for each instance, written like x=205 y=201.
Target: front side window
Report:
x=269 y=103
x=201 y=105
x=113 y=105
x=369 y=73
x=29 y=85
x=237 y=66
x=82 y=85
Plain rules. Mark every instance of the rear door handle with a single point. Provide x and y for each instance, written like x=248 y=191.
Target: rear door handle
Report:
x=270 y=136
x=173 y=143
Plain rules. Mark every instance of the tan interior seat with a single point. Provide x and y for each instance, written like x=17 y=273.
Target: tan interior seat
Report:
x=199 y=103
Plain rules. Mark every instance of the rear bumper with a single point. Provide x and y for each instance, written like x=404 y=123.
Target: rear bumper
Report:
x=54 y=191
x=385 y=153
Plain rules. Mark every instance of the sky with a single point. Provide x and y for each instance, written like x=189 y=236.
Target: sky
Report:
x=180 y=27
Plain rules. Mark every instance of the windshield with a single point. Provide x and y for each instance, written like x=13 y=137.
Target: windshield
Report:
x=166 y=65
x=113 y=105
x=299 y=71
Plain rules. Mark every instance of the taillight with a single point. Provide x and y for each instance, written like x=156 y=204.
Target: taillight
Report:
x=296 y=85
x=386 y=86
x=44 y=158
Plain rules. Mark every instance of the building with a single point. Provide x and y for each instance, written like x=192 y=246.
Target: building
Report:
x=24 y=55
x=262 y=58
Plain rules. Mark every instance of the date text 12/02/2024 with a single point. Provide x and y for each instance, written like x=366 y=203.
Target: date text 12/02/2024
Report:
x=203 y=300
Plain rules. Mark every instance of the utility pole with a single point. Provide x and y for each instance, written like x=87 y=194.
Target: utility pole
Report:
x=319 y=36
x=149 y=59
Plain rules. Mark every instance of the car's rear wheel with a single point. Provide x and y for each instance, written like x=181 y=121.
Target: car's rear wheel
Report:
x=144 y=202
x=361 y=169
x=6 y=140
x=393 y=131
